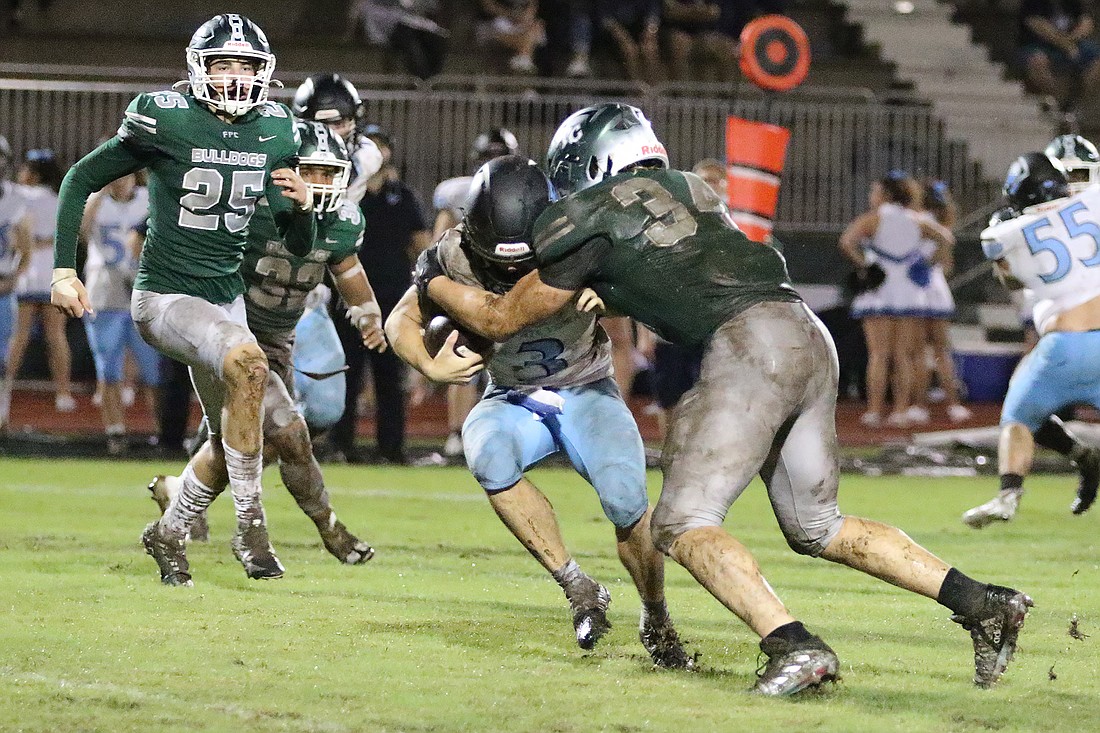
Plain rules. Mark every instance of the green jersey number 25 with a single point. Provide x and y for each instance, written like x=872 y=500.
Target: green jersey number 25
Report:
x=206 y=186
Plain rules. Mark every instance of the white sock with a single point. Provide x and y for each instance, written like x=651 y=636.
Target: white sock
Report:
x=192 y=500
x=245 y=470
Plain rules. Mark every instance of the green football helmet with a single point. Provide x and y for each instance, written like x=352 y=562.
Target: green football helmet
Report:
x=599 y=142
x=323 y=148
x=1080 y=159
x=229 y=36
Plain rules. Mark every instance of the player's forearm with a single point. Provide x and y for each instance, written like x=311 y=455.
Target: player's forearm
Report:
x=478 y=309
x=403 y=332
x=297 y=228
x=95 y=170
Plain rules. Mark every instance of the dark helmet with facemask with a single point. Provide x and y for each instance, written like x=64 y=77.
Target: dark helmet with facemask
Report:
x=506 y=196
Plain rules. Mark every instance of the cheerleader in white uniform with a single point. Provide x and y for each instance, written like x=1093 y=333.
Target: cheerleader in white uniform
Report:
x=40 y=178
x=890 y=236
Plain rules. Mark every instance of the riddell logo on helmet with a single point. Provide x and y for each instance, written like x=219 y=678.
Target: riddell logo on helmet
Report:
x=506 y=249
x=654 y=150
x=237 y=45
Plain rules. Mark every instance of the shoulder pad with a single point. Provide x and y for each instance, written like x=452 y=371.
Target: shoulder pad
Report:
x=274 y=109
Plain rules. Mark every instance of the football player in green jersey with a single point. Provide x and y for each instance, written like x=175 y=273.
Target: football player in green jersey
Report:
x=278 y=284
x=659 y=245
x=212 y=150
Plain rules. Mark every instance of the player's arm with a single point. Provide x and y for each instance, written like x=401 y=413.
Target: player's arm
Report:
x=113 y=159
x=364 y=313
x=87 y=223
x=404 y=331
x=498 y=317
x=860 y=228
x=292 y=209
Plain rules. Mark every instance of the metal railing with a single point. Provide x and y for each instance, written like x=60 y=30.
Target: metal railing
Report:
x=841 y=139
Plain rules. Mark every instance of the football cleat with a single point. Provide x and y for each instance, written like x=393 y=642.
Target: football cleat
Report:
x=1000 y=508
x=343 y=545
x=1088 y=469
x=588 y=600
x=170 y=554
x=994 y=632
x=663 y=643
x=163 y=488
x=253 y=548
x=792 y=667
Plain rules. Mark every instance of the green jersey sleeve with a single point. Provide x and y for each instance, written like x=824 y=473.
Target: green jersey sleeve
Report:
x=340 y=232
x=297 y=229
x=568 y=255
x=111 y=160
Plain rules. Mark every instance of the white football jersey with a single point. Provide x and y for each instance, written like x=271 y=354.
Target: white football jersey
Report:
x=366 y=160
x=568 y=349
x=1054 y=250
x=13 y=207
x=110 y=269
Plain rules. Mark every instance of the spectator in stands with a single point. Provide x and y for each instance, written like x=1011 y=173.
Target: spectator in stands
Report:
x=396 y=234
x=40 y=179
x=691 y=29
x=1056 y=51
x=939 y=206
x=515 y=26
x=406 y=26
x=889 y=236
x=569 y=31
x=634 y=26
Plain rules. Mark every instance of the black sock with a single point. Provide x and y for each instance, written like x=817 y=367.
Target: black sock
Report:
x=963 y=595
x=1052 y=434
x=794 y=632
x=1011 y=481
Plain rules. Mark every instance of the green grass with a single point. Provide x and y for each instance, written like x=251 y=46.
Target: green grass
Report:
x=452 y=627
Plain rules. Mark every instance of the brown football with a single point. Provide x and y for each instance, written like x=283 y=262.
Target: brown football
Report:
x=440 y=327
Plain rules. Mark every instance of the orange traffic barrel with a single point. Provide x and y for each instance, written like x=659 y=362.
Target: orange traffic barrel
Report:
x=755 y=154
x=775 y=53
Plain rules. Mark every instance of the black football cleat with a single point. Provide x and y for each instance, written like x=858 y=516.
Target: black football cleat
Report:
x=170 y=554
x=994 y=632
x=793 y=667
x=343 y=545
x=588 y=600
x=253 y=548
x=660 y=639
x=1088 y=470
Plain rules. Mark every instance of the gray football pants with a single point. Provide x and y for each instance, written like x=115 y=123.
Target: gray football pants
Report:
x=764 y=404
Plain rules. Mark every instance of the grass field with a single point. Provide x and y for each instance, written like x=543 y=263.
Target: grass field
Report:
x=452 y=627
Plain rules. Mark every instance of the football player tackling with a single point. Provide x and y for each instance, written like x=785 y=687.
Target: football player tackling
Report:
x=211 y=150
x=659 y=245
x=550 y=391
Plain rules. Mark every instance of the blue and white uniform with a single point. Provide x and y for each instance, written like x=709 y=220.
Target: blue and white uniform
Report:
x=1054 y=250
x=13 y=208
x=898 y=249
x=110 y=272
x=939 y=303
x=34 y=283
x=551 y=390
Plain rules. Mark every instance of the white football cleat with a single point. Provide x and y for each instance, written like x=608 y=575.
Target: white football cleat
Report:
x=1000 y=508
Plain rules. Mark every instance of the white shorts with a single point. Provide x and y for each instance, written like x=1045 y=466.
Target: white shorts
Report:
x=197 y=333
